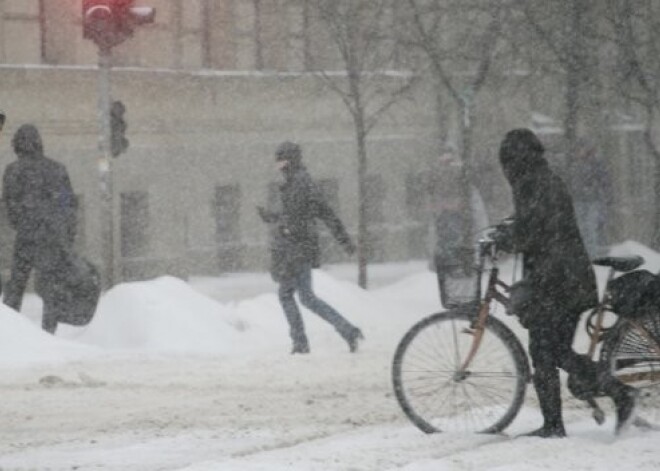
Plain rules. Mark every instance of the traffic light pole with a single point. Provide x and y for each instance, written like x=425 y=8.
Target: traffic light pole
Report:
x=105 y=170
x=109 y=23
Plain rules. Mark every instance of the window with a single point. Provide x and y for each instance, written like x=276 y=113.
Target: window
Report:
x=226 y=210
x=219 y=25
x=265 y=35
x=60 y=31
x=134 y=224
x=271 y=34
x=20 y=31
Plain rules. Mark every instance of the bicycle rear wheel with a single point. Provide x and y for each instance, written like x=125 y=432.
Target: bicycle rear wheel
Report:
x=437 y=395
x=632 y=354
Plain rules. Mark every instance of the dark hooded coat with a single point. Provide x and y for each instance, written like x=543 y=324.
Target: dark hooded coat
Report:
x=556 y=266
x=294 y=234
x=38 y=193
x=41 y=208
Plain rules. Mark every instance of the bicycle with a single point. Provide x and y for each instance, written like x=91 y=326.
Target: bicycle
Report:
x=465 y=370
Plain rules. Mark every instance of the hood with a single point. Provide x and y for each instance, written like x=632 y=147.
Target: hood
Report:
x=291 y=153
x=27 y=142
x=521 y=154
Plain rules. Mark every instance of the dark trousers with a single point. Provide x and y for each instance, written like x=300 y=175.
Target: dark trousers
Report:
x=22 y=264
x=46 y=257
x=302 y=284
x=551 y=347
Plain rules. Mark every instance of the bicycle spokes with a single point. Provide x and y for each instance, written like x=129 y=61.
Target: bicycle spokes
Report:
x=449 y=375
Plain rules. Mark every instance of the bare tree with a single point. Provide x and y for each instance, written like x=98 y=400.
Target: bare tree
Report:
x=360 y=33
x=459 y=41
x=636 y=37
x=561 y=36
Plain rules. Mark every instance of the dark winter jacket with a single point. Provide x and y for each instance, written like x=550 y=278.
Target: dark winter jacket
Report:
x=555 y=262
x=37 y=191
x=294 y=235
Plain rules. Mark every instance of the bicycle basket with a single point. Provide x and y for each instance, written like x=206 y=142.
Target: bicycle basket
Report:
x=635 y=293
x=457 y=279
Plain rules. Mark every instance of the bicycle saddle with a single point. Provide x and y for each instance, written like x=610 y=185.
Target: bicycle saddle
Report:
x=622 y=264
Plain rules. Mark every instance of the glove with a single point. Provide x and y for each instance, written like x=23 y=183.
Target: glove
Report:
x=522 y=300
x=503 y=237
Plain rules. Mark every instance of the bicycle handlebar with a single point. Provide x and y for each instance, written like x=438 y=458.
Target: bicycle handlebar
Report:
x=498 y=237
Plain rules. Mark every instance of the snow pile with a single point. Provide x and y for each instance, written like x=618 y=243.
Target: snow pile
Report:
x=22 y=343
x=168 y=315
x=164 y=314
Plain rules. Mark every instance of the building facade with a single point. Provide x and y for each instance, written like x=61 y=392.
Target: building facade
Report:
x=210 y=89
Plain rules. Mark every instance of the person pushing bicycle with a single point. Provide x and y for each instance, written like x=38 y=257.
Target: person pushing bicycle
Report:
x=558 y=282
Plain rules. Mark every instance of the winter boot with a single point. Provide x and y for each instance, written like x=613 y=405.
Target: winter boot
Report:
x=625 y=401
x=354 y=339
x=298 y=336
x=300 y=343
x=547 y=431
x=300 y=347
x=548 y=391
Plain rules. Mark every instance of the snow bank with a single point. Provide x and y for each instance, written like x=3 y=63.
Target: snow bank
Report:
x=22 y=343
x=235 y=315
x=164 y=314
x=168 y=315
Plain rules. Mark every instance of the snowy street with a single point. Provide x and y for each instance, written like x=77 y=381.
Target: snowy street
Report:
x=305 y=235
x=153 y=385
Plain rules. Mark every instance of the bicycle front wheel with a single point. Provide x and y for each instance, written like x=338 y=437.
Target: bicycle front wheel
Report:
x=438 y=394
x=631 y=353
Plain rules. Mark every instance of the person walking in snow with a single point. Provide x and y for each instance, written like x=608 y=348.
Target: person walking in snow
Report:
x=295 y=247
x=41 y=209
x=558 y=282
x=591 y=189
x=448 y=209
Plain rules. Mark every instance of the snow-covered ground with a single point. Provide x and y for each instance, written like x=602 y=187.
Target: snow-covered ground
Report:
x=196 y=376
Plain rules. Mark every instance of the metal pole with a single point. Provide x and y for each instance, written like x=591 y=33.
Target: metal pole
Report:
x=105 y=167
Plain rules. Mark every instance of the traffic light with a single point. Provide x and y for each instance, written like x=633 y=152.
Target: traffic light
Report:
x=110 y=22
x=118 y=141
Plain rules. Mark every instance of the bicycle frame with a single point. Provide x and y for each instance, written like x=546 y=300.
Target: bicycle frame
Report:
x=596 y=336
x=486 y=249
x=496 y=290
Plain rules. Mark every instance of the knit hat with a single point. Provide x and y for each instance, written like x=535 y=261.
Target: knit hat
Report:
x=288 y=151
